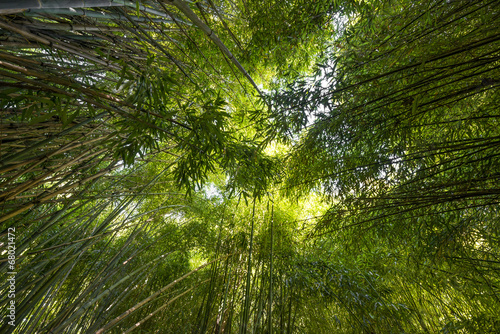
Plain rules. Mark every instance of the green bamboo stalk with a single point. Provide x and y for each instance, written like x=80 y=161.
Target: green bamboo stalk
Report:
x=227 y=276
x=36 y=146
x=113 y=322
x=44 y=198
x=186 y=10
x=22 y=5
x=246 y=307
x=170 y=301
x=103 y=294
x=271 y=260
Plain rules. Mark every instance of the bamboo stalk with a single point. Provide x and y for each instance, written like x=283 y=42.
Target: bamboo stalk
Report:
x=112 y=323
x=186 y=10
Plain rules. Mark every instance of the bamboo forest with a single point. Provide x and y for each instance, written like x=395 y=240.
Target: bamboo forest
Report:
x=250 y=166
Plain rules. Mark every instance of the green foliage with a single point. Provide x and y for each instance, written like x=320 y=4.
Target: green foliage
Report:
x=403 y=140
x=288 y=36
x=151 y=188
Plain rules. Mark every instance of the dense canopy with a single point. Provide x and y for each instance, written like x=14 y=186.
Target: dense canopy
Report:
x=250 y=166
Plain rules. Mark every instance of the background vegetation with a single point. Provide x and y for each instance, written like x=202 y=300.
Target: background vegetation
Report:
x=251 y=166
